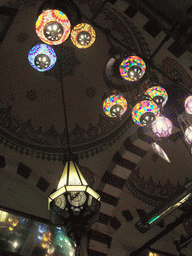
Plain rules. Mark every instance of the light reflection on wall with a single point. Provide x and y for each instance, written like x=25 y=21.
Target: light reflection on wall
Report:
x=18 y=236
x=3 y=216
x=153 y=254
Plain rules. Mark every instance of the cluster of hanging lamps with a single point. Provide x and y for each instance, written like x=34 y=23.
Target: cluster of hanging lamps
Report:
x=132 y=68
x=147 y=112
x=114 y=105
x=53 y=27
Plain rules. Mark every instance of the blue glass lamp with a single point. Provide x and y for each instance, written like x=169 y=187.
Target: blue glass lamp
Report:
x=42 y=57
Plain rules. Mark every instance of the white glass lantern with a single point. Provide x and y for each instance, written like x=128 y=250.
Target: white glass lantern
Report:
x=188 y=105
x=188 y=135
x=162 y=127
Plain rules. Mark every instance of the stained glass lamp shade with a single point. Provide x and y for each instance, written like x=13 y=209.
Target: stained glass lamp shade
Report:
x=53 y=27
x=132 y=68
x=83 y=35
x=115 y=106
x=73 y=196
x=188 y=135
x=162 y=127
x=145 y=113
x=158 y=94
x=188 y=105
x=42 y=57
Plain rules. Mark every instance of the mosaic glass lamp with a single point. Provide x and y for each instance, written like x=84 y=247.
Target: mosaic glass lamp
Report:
x=42 y=57
x=158 y=94
x=83 y=35
x=162 y=127
x=145 y=113
x=132 y=68
x=188 y=105
x=115 y=106
x=53 y=27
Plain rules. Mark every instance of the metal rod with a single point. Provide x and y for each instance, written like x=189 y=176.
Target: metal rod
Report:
x=168 y=228
x=65 y=114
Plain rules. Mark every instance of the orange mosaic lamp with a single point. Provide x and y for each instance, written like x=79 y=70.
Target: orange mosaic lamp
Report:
x=83 y=35
x=53 y=27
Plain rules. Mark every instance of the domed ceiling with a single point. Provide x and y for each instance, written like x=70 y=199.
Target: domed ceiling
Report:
x=129 y=177
x=31 y=108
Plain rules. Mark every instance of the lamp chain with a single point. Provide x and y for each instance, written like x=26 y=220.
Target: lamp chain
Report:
x=65 y=115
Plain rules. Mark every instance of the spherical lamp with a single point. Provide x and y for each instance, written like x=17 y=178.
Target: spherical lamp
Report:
x=83 y=35
x=42 y=57
x=145 y=113
x=53 y=27
x=188 y=135
x=132 y=68
x=158 y=94
x=162 y=127
x=188 y=105
x=115 y=106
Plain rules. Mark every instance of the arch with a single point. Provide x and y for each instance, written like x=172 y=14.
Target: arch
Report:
x=124 y=161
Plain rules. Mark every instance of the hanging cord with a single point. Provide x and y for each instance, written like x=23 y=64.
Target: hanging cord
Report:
x=65 y=115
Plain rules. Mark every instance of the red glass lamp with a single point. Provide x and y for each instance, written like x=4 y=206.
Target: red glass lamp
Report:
x=53 y=27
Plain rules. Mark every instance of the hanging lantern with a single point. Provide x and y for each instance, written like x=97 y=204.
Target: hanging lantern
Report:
x=188 y=135
x=132 y=68
x=53 y=27
x=158 y=94
x=115 y=106
x=42 y=57
x=73 y=200
x=188 y=105
x=162 y=127
x=83 y=35
x=145 y=113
